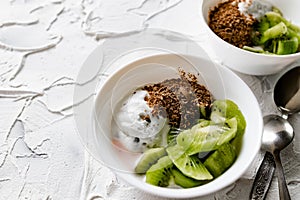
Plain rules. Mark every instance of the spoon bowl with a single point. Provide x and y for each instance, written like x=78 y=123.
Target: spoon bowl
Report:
x=278 y=133
x=287 y=92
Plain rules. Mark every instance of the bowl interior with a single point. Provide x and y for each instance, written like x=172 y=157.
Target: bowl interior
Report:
x=223 y=84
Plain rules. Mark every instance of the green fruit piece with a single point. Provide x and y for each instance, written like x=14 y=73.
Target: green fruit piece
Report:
x=184 y=181
x=150 y=157
x=275 y=18
x=207 y=138
x=172 y=134
x=263 y=25
x=230 y=134
x=218 y=117
x=219 y=161
x=237 y=143
x=276 y=10
x=185 y=138
x=203 y=112
x=291 y=34
x=228 y=109
x=159 y=173
x=287 y=46
x=254 y=50
x=190 y=166
x=201 y=123
x=175 y=152
x=274 y=32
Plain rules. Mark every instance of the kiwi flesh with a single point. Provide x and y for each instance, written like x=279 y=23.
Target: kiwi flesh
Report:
x=184 y=181
x=159 y=174
x=207 y=138
x=219 y=161
x=190 y=166
x=172 y=134
x=179 y=161
x=149 y=158
x=228 y=109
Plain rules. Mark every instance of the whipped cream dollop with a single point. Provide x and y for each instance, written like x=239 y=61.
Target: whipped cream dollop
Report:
x=256 y=8
x=135 y=127
x=134 y=117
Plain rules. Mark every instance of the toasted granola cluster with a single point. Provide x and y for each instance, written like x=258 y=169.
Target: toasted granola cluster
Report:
x=230 y=24
x=179 y=99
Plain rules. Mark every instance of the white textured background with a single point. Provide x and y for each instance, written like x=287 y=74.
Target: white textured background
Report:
x=42 y=46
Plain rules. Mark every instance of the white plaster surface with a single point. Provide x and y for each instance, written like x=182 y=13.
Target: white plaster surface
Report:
x=42 y=46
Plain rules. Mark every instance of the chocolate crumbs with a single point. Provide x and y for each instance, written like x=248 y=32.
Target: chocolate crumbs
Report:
x=179 y=99
x=230 y=24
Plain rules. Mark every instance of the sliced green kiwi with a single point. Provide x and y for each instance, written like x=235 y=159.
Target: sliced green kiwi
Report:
x=175 y=151
x=184 y=181
x=201 y=123
x=276 y=18
x=159 y=174
x=230 y=134
x=190 y=166
x=263 y=25
x=288 y=46
x=204 y=112
x=172 y=134
x=219 y=161
x=274 y=32
x=228 y=109
x=149 y=157
x=276 y=10
x=207 y=138
x=185 y=138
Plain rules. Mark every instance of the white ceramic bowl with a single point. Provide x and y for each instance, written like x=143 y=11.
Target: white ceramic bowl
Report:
x=248 y=62
x=219 y=80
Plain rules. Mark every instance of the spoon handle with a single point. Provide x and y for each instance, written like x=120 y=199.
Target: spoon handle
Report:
x=283 y=190
x=263 y=178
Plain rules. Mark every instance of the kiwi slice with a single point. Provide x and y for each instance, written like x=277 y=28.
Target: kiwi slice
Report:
x=274 y=32
x=185 y=138
x=287 y=46
x=184 y=181
x=190 y=166
x=150 y=157
x=175 y=151
x=276 y=18
x=219 y=161
x=159 y=174
x=201 y=123
x=208 y=138
x=204 y=112
x=230 y=134
x=228 y=109
x=172 y=134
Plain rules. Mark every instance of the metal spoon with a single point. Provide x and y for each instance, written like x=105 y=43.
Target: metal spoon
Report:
x=278 y=133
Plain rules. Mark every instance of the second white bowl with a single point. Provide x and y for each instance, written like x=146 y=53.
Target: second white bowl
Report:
x=244 y=61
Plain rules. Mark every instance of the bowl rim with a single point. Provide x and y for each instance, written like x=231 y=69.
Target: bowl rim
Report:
x=205 y=189
x=202 y=18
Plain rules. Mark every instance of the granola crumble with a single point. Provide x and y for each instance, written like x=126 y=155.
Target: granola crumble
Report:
x=230 y=24
x=179 y=99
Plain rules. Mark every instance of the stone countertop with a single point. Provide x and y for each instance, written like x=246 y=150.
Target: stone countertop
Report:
x=42 y=47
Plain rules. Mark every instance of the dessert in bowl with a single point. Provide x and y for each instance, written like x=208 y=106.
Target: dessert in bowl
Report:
x=253 y=37
x=137 y=91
